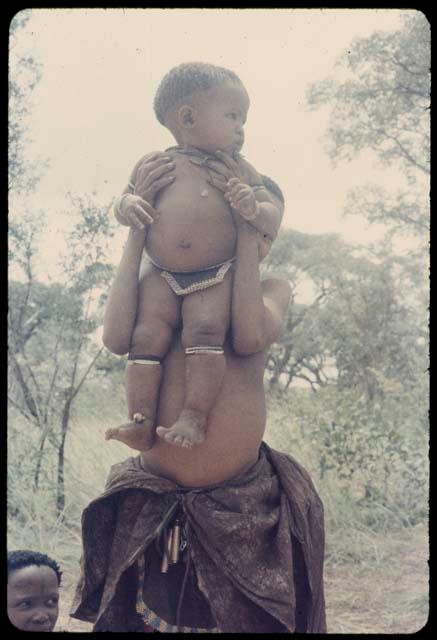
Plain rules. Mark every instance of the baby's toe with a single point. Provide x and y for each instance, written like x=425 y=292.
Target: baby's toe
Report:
x=162 y=432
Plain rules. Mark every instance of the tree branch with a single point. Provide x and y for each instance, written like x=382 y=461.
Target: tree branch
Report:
x=311 y=382
x=413 y=92
x=28 y=271
x=50 y=391
x=404 y=152
x=32 y=377
x=28 y=417
x=56 y=368
x=90 y=366
x=28 y=397
x=79 y=348
x=29 y=327
x=405 y=68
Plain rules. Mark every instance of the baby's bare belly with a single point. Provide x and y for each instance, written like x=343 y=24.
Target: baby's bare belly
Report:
x=193 y=231
x=235 y=427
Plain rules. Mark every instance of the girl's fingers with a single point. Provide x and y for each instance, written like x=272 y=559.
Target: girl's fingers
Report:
x=222 y=185
x=227 y=160
x=154 y=172
x=155 y=158
x=159 y=184
x=219 y=168
x=134 y=221
x=144 y=215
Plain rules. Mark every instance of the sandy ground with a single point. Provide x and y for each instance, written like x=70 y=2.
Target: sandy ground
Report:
x=389 y=596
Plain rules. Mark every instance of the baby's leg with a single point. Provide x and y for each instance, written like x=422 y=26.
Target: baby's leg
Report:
x=205 y=316
x=158 y=314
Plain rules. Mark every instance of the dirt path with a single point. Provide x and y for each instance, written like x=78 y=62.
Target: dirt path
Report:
x=387 y=596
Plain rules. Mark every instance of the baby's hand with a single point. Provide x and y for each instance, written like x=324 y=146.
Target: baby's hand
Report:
x=133 y=211
x=242 y=199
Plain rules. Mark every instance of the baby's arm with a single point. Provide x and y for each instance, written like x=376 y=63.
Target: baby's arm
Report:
x=249 y=194
x=256 y=207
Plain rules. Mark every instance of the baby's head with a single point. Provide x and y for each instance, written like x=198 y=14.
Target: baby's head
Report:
x=203 y=106
x=33 y=591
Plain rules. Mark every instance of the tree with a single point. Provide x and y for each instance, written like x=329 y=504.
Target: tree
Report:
x=381 y=103
x=313 y=264
x=24 y=74
x=356 y=327
x=52 y=348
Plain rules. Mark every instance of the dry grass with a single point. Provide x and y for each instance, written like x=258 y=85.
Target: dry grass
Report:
x=376 y=581
x=386 y=596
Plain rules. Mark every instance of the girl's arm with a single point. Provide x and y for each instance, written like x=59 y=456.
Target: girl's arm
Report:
x=121 y=308
x=150 y=175
x=135 y=207
x=260 y=209
x=258 y=308
x=257 y=198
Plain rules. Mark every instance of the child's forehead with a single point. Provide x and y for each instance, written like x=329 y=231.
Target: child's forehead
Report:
x=229 y=93
x=32 y=575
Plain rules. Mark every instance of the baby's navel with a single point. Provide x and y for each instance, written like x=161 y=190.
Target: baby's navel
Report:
x=184 y=244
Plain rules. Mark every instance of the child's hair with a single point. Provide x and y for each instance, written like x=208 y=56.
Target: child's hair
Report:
x=20 y=559
x=181 y=81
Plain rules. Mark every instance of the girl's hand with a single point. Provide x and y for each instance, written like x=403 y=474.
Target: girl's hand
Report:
x=153 y=175
x=222 y=170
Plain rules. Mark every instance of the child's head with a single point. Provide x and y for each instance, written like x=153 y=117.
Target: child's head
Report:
x=204 y=106
x=33 y=590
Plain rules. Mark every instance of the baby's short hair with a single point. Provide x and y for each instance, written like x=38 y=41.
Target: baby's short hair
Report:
x=24 y=558
x=181 y=81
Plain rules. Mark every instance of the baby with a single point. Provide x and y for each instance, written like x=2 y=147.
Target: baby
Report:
x=33 y=591
x=190 y=241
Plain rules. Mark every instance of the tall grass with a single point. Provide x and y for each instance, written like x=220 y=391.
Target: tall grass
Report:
x=366 y=534
x=367 y=494
x=32 y=519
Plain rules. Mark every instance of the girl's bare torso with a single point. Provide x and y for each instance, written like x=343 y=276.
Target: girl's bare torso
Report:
x=195 y=229
x=235 y=427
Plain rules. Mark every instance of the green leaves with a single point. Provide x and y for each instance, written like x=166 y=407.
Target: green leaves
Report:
x=24 y=74
x=380 y=99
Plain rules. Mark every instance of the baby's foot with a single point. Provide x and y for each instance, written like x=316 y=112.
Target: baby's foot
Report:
x=187 y=431
x=136 y=435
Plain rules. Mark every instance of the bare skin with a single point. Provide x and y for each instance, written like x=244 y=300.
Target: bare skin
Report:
x=236 y=422
x=190 y=227
x=33 y=598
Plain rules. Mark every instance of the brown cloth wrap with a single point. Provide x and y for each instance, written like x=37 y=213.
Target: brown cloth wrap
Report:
x=256 y=542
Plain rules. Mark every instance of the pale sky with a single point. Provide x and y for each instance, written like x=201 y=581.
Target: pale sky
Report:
x=92 y=112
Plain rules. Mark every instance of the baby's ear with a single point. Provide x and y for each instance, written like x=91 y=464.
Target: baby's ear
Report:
x=186 y=116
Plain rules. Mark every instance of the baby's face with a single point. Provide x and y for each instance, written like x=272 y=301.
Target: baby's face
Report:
x=33 y=598
x=220 y=114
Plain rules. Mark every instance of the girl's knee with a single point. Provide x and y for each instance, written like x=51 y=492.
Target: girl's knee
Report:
x=152 y=338
x=204 y=331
